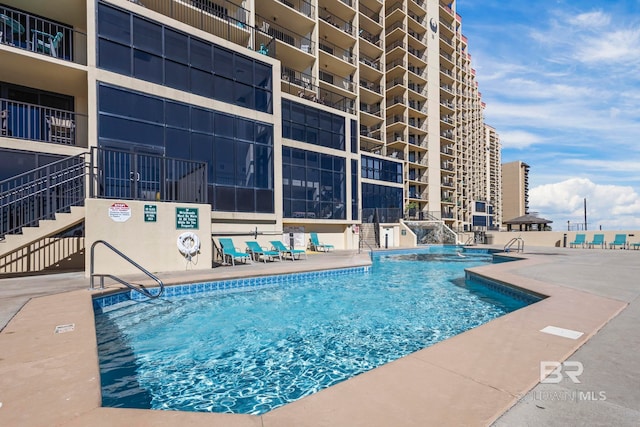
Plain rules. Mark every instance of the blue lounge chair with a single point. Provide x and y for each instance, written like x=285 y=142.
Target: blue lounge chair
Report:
x=317 y=246
x=229 y=251
x=580 y=240
x=620 y=240
x=280 y=247
x=634 y=245
x=257 y=251
x=598 y=239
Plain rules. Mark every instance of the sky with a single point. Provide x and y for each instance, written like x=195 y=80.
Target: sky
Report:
x=561 y=81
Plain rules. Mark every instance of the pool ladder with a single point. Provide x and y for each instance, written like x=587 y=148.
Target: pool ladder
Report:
x=141 y=289
x=519 y=247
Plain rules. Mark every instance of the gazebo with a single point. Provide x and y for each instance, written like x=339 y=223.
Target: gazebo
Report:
x=527 y=222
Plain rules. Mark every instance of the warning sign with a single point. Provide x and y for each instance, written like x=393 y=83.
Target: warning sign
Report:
x=119 y=212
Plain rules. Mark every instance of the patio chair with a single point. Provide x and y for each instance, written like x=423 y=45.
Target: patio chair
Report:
x=45 y=42
x=280 y=247
x=598 y=239
x=580 y=240
x=257 y=251
x=634 y=245
x=620 y=240
x=317 y=246
x=61 y=130
x=229 y=251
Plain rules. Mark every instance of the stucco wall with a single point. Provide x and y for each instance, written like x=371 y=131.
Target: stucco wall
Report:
x=153 y=245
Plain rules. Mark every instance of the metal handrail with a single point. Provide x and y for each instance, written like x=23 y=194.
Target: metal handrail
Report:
x=518 y=240
x=39 y=194
x=140 y=290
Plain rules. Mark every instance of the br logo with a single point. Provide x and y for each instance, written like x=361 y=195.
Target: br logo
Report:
x=551 y=372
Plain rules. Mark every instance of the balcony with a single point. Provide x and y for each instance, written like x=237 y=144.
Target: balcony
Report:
x=373 y=109
x=302 y=6
x=373 y=87
x=36 y=34
x=374 y=16
x=373 y=63
x=337 y=52
x=336 y=22
x=303 y=85
x=38 y=123
x=286 y=36
x=341 y=82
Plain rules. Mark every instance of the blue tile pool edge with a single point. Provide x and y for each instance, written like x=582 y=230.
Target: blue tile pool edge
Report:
x=513 y=291
x=248 y=283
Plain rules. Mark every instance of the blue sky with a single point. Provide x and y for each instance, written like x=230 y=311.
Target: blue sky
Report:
x=561 y=80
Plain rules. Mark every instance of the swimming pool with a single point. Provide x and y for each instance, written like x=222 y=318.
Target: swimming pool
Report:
x=252 y=349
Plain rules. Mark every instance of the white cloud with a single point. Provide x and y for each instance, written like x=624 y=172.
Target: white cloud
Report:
x=611 y=207
x=590 y=19
x=518 y=139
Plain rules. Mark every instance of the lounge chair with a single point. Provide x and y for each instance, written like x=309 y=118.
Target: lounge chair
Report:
x=634 y=245
x=229 y=251
x=317 y=246
x=257 y=251
x=280 y=247
x=580 y=240
x=620 y=240
x=598 y=239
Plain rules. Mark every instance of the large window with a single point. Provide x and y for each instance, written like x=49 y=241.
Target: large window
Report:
x=311 y=125
x=381 y=170
x=313 y=185
x=381 y=200
x=141 y=48
x=239 y=152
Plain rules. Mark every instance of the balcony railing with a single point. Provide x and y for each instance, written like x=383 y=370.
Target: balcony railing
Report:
x=301 y=6
x=32 y=196
x=337 y=51
x=222 y=18
x=340 y=24
x=370 y=85
x=136 y=176
x=303 y=43
x=37 y=34
x=339 y=81
x=373 y=63
x=373 y=39
x=373 y=109
x=374 y=16
x=39 y=123
x=303 y=85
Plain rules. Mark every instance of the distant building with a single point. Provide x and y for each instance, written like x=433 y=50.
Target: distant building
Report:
x=515 y=190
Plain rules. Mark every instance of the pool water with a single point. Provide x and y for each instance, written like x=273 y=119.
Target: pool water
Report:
x=252 y=351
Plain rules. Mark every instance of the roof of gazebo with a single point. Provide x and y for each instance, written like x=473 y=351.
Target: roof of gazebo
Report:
x=528 y=219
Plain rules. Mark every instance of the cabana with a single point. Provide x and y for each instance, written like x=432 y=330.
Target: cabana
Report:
x=527 y=222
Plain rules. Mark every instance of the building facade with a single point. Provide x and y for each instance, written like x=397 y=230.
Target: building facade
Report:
x=515 y=190
x=296 y=114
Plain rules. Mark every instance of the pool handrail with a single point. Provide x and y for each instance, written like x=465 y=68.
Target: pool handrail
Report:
x=142 y=290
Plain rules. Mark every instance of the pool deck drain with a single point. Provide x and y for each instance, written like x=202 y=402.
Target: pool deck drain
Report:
x=471 y=379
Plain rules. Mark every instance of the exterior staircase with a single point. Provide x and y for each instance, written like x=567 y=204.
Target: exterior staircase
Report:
x=368 y=235
x=45 y=228
x=36 y=209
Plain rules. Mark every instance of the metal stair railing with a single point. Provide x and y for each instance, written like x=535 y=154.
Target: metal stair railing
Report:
x=142 y=290
x=510 y=243
x=39 y=194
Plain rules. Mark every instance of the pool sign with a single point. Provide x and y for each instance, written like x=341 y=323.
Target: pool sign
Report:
x=150 y=213
x=186 y=218
x=119 y=212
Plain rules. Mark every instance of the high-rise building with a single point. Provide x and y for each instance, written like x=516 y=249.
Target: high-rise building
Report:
x=515 y=190
x=301 y=112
